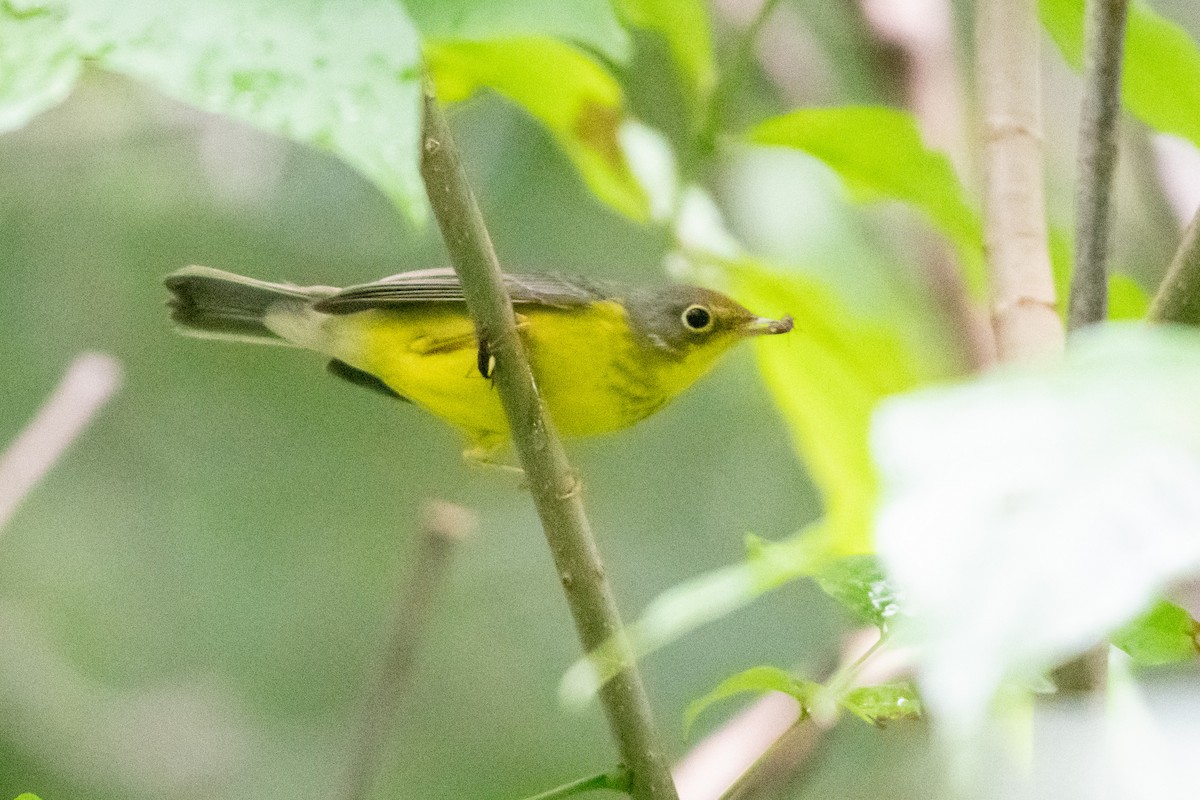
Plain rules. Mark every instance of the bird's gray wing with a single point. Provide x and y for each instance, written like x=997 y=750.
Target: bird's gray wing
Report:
x=442 y=286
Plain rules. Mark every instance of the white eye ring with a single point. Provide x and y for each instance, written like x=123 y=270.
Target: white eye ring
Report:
x=696 y=318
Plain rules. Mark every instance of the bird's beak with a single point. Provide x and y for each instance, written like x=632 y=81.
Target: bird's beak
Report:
x=761 y=326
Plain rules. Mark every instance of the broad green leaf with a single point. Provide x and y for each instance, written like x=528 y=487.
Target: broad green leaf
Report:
x=344 y=77
x=879 y=155
x=858 y=583
x=590 y=23
x=28 y=796
x=755 y=679
x=567 y=91
x=1026 y=515
x=1163 y=635
x=39 y=64
x=827 y=376
x=1160 y=82
x=884 y=703
x=685 y=26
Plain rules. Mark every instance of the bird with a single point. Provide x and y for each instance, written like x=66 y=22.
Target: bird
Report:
x=603 y=356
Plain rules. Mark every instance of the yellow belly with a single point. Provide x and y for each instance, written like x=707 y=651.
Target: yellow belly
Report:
x=592 y=375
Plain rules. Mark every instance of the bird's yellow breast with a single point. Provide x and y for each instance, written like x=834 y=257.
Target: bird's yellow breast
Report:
x=593 y=374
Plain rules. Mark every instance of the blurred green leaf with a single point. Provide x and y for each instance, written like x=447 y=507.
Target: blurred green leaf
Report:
x=590 y=23
x=39 y=64
x=685 y=26
x=345 y=78
x=755 y=679
x=1127 y=300
x=879 y=155
x=28 y=796
x=859 y=584
x=1026 y=515
x=1163 y=635
x=570 y=93
x=883 y=703
x=1160 y=81
x=826 y=377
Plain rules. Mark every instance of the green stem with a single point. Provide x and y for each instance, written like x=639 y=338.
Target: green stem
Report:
x=555 y=487
x=611 y=781
x=1104 y=31
x=1178 y=299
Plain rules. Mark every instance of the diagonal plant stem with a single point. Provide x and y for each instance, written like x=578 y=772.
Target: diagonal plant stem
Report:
x=1104 y=34
x=1178 y=299
x=555 y=488
x=442 y=527
x=1024 y=311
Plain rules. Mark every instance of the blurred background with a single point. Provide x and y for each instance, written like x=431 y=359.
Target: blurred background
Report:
x=194 y=600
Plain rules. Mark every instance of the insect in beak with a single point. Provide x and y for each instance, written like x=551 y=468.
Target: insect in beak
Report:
x=761 y=326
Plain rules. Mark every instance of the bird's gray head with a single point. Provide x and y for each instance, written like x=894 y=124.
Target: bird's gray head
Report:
x=679 y=318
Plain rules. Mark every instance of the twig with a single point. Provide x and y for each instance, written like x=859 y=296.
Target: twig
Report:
x=87 y=385
x=443 y=526
x=1104 y=32
x=1023 y=301
x=553 y=484
x=1178 y=298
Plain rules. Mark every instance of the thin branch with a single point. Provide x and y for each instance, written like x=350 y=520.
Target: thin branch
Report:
x=1023 y=300
x=88 y=384
x=1178 y=298
x=555 y=488
x=1104 y=33
x=442 y=527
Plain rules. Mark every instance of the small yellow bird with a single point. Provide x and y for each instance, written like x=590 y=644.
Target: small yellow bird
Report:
x=603 y=357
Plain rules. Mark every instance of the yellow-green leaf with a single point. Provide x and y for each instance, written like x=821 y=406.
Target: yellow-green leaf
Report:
x=884 y=703
x=684 y=24
x=827 y=376
x=879 y=155
x=561 y=87
x=1163 y=635
x=1160 y=81
x=755 y=679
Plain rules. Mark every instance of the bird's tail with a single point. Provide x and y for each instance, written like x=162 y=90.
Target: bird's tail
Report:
x=215 y=304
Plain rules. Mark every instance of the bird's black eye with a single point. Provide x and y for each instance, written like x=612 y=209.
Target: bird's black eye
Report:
x=698 y=318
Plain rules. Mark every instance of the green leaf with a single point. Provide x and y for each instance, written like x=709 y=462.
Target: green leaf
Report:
x=1160 y=82
x=685 y=27
x=28 y=796
x=1127 y=300
x=345 y=77
x=826 y=377
x=1026 y=515
x=884 y=703
x=1163 y=635
x=39 y=65
x=590 y=23
x=755 y=679
x=859 y=584
x=568 y=92
x=879 y=155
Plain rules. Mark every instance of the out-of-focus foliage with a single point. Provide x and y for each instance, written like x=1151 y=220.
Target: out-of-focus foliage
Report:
x=590 y=23
x=860 y=585
x=1082 y=512
x=1163 y=635
x=565 y=90
x=1161 y=71
x=685 y=27
x=346 y=79
x=878 y=152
